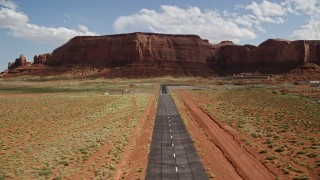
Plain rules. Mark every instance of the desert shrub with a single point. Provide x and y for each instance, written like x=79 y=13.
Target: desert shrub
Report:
x=271 y=158
x=45 y=172
x=84 y=150
x=111 y=167
x=279 y=149
x=276 y=137
x=140 y=170
x=285 y=171
x=301 y=178
x=301 y=152
x=64 y=162
x=255 y=135
x=312 y=155
x=313 y=147
x=263 y=151
x=269 y=141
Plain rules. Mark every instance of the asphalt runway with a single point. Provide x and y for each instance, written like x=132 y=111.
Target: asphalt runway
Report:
x=172 y=153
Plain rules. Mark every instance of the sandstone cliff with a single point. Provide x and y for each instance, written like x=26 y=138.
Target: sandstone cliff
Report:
x=118 y=50
x=273 y=55
x=42 y=58
x=150 y=54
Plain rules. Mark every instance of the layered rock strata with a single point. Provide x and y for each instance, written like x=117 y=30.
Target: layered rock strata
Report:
x=150 y=54
x=273 y=55
x=122 y=49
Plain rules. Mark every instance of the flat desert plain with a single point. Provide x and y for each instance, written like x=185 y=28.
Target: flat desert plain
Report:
x=102 y=128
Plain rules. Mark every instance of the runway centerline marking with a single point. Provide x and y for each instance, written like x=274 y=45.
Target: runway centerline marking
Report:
x=188 y=165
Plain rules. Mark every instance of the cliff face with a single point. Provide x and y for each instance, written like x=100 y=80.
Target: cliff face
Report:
x=118 y=50
x=42 y=58
x=312 y=51
x=273 y=55
x=150 y=54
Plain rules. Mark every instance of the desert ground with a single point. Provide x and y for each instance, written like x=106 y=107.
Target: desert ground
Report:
x=65 y=128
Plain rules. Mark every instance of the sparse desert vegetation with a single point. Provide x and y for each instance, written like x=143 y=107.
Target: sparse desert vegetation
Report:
x=68 y=128
x=283 y=128
x=57 y=129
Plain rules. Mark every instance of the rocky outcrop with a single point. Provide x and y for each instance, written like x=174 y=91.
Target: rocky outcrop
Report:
x=19 y=62
x=273 y=55
x=42 y=58
x=118 y=50
x=312 y=51
x=151 y=54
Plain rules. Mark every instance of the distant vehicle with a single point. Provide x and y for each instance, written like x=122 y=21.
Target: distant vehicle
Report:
x=314 y=83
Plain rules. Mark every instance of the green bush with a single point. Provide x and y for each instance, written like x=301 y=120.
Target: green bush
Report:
x=64 y=162
x=301 y=178
x=279 y=149
x=45 y=172
x=255 y=135
x=312 y=155
x=271 y=158
x=301 y=152
x=263 y=151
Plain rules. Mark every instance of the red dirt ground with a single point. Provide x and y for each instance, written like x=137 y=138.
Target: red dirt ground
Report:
x=219 y=149
x=133 y=163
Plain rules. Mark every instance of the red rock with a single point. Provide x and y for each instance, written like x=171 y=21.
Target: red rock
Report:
x=273 y=55
x=10 y=65
x=150 y=54
x=19 y=62
x=312 y=51
x=116 y=50
x=42 y=58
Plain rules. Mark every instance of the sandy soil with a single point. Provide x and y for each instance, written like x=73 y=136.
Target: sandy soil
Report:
x=208 y=151
x=235 y=161
x=289 y=139
x=133 y=162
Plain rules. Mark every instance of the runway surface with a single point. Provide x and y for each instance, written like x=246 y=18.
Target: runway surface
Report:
x=172 y=153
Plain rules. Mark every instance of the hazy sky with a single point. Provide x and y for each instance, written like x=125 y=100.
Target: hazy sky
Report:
x=39 y=26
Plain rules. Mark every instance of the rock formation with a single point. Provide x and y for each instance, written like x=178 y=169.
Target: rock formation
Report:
x=273 y=55
x=21 y=61
x=150 y=54
x=117 y=50
x=42 y=58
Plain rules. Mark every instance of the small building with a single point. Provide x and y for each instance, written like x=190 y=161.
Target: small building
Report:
x=314 y=83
